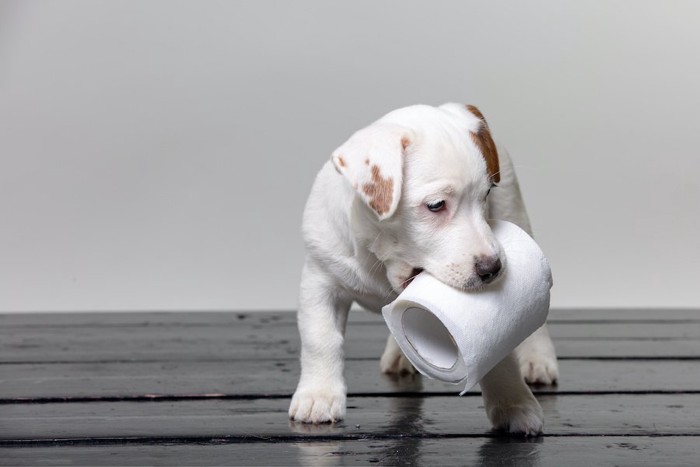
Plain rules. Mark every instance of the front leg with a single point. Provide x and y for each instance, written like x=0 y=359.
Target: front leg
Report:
x=321 y=393
x=509 y=402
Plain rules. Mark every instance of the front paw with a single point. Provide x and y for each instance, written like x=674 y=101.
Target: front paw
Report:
x=538 y=363
x=318 y=405
x=524 y=418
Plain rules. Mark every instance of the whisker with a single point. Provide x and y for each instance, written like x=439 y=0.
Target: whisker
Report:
x=379 y=261
x=377 y=264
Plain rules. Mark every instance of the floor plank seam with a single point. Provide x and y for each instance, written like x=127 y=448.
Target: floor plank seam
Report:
x=252 y=439
x=395 y=395
x=611 y=358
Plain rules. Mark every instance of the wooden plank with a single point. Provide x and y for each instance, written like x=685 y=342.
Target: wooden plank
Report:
x=251 y=331
x=288 y=349
x=255 y=338
x=266 y=419
x=628 y=349
x=288 y=318
x=626 y=315
x=152 y=318
x=279 y=378
x=548 y=452
x=217 y=318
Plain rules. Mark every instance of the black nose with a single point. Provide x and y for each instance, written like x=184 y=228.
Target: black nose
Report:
x=487 y=268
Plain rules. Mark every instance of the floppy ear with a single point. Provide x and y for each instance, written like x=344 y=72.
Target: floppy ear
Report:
x=372 y=161
x=482 y=139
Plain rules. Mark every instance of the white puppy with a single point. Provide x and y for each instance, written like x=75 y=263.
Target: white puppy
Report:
x=410 y=192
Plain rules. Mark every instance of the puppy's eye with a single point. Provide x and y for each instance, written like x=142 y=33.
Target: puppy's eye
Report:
x=436 y=206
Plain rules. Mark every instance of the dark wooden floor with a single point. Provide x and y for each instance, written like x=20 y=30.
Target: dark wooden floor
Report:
x=213 y=389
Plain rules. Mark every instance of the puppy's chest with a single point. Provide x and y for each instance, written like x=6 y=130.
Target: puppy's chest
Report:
x=374 y=302
x=371 y=288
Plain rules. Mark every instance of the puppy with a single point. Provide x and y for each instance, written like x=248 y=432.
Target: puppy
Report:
x=410 y=192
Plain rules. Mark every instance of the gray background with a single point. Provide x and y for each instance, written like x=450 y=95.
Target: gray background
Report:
x=157 y=155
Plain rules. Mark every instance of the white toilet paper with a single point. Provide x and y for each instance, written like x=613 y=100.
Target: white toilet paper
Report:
x=458 y=337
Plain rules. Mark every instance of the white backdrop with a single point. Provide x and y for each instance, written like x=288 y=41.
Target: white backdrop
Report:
x=157 y=154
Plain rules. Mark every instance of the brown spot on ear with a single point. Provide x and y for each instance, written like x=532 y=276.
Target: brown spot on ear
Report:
x=476 y=112
x=366 y=161
x=405 y=142
x=341 y=161
x=379 y=191
x=482 y=139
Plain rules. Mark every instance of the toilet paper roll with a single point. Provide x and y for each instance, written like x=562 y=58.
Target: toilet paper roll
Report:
x=457 y=336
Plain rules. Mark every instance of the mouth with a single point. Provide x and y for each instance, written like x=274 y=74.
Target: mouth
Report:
x=414 y=273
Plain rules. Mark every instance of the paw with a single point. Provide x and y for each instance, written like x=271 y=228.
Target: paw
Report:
x=393 y=360
x=314 y=405
x=524 y=418
x=538 y=365
x=538 y=360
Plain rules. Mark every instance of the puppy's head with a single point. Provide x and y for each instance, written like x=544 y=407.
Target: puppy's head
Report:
x=422 y=176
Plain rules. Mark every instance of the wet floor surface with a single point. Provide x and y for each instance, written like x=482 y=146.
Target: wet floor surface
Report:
x=213 y=389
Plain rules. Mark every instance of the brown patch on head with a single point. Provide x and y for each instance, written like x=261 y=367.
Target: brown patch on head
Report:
x=380 y=191
x=405 y=142
x=366 y=161
x=482 y=138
